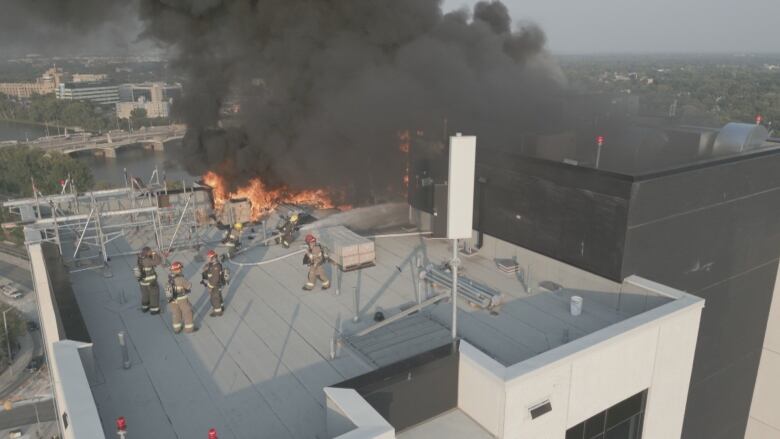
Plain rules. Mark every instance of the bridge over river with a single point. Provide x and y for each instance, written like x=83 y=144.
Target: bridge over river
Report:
x=108 y=144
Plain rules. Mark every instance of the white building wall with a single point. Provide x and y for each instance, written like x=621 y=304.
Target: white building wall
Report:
x=764 y=422
x=653 y=351
x=481 y=389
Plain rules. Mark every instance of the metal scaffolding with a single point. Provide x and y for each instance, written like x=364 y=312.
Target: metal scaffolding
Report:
x=85 y=226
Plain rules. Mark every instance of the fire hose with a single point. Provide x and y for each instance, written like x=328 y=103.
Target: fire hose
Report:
x=279 y=258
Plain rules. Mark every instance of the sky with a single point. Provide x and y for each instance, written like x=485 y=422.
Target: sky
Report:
x=571 y=26
x=650 y=26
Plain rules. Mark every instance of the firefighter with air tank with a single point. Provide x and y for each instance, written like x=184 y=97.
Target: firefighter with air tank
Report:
x=287 y=230
x=316 y=256
x=233 y=240
x=214 y=277
x=177 y=292
x=146 y=275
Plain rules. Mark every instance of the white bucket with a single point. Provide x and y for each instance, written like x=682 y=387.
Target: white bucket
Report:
x=575 y=306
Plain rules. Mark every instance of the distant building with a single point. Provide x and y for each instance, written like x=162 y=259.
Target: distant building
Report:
x=98 y=93
x=89 y=77
x=156 y=98
x=46 y=84
x=153 y=109
x=151 y=92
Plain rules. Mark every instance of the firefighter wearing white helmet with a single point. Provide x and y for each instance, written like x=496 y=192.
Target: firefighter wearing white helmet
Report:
x=178 y=295
x=316 y=256
x=287 y=230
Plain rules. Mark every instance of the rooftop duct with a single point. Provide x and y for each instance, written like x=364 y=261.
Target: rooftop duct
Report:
x=739 y=137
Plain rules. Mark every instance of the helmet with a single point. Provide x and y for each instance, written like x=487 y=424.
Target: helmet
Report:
x=176 y=266
x=238 y=226
x=294 y=217
x=211 y=254
x=310 y=238
x=145 y=251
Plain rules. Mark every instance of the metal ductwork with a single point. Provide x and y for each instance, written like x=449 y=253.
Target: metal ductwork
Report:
x=739 y=137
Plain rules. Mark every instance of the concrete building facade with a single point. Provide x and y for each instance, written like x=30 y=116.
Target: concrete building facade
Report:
x=46 y=84
x=103 y=94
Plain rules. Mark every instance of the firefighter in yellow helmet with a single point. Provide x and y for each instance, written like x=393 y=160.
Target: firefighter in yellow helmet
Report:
x=233 y=240
x=178 y=295
x=316 y=256
x=287 y=230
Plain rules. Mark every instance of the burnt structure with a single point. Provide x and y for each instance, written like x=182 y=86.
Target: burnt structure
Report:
x=692 y=208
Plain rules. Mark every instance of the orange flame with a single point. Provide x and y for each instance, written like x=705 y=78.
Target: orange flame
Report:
x=262 y=198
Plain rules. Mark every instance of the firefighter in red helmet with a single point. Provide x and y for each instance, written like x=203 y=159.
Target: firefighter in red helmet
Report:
x=316 y=256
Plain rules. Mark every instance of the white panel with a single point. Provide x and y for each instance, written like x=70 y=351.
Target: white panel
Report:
x=759 y=430
x=611 y=374
x=766 y=396
x=553 y=386
x=460 y=196
x=668 y=394
x=481 y=388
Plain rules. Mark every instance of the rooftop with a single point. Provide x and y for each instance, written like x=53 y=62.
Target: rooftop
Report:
x=262 y=366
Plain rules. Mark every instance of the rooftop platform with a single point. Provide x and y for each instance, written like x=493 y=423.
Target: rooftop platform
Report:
x=453 y=425
x=259 y=370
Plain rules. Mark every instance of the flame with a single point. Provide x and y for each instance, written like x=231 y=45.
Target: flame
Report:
x=264 y=199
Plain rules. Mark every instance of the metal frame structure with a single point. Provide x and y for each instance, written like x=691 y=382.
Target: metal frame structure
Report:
x=83 y=224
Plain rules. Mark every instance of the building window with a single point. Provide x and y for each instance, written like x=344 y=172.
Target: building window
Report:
x=621 y=421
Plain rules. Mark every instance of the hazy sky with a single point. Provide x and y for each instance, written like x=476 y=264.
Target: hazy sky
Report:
x=598 y=26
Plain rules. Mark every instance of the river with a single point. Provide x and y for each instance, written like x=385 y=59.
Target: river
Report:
x=138 y=161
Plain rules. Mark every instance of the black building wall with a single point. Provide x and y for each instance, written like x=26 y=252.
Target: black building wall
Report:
x=574 y=214
x=714 y=231
x=711 y=229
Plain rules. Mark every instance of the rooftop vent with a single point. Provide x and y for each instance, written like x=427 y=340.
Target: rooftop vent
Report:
x=739 y=137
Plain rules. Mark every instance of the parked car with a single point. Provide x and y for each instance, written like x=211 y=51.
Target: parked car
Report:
x=15 y=434
x=32 y=326
x=10 y=291
x=34 y=365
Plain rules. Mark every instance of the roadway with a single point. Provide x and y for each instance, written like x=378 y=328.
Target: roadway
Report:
x=25 y=414
x=117 y=138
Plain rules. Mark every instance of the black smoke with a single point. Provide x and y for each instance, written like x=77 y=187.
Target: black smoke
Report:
x=325 y=87
x=67 y=27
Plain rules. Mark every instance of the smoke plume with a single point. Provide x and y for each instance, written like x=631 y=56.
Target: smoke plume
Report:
x=325 y=87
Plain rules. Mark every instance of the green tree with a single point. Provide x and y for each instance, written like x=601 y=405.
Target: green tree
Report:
x=19 y=163
x=138 y=117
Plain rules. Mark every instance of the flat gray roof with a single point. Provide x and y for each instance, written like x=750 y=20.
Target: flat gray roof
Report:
x=259 y=371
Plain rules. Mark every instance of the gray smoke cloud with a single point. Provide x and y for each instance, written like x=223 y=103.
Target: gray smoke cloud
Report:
x=66 y=27
x=325 y=87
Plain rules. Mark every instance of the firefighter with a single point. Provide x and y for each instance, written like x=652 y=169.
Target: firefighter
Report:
x=287 y=230
x=233 y=240
x=316 y=256
x=147 y=278
x=178 y=293
x=214 y=278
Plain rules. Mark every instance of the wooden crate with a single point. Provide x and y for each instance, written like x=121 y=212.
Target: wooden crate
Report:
x=346 y=248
